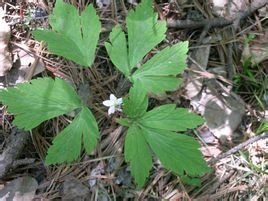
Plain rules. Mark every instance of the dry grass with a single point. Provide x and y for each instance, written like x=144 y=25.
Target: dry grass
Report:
x=241 y=176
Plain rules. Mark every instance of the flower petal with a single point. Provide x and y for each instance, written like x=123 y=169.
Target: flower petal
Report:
x=119 y=101
x=112 y=98
x=118 y=109
x=111 y=110
x=108 y=103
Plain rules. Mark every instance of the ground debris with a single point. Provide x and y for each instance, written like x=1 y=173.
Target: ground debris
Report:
x=20 y=189
x=222 y=109
x=16 y=142
x=25 y=63
x=73 y=189
x=257 y=50
x=5 y=55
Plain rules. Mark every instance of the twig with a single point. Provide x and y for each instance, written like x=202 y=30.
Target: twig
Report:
x=217 y=22
x=230 y=68
x=190 y=24
x=238 y=147
x=25 y=161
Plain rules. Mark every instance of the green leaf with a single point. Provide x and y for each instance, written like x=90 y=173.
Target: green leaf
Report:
x=117 y=50
x=159 y=73
x=124 y=122
x=40 y=100
x=168 y=117
x=191 y=180
x=138 y=154
x=177 y=152
x=73 y=36
x=67 y=144
x=144 y=31
x=137 y=102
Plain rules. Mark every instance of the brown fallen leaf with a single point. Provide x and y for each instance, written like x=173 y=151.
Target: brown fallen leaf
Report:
x=21 y=68
x=210 y=151
x=226 y=8
x=223 y=110
x=5 y=56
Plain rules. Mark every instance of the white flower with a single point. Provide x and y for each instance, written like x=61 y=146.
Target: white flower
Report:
x=114 y=104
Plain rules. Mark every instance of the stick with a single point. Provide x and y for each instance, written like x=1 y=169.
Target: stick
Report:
x=238 y=147
x=217 y=22
x=190 y=24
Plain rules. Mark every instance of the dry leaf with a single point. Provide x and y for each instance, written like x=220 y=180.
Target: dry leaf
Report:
x=21 y=68
x=226 y=8
x=210 y=151
x=223 y=112
x=5 y=56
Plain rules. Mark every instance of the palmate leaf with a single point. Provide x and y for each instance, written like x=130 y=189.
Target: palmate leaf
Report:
x=177 y=152
x=156 y=128
x=45 y=98
x=67 y=145
x=136 y=106
x=40 y=100
x=117 y=50
x=171 y=118
x=144 y=32
x=159 y=73
x=137 y=152
x=73 y=36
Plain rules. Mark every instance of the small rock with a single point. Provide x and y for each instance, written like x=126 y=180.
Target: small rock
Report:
x=20 y=189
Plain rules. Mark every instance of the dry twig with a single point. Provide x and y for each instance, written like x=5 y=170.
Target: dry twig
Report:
x=217 y=22
x=238 y=147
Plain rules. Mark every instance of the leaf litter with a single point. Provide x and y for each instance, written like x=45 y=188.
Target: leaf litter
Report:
x=164 y=182
x=5 y=55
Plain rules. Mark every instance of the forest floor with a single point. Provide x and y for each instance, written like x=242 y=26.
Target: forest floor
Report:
x=226 y=82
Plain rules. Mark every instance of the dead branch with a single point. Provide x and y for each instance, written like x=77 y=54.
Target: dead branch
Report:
x=238 y=147
x=190 y=24
x=217 y=22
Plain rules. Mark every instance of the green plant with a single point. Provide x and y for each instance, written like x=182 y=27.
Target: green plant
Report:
x=45 y=98
x=263 y=127
x=74 y=37
x=156 y=130
x=251 y=79
x=144 y=32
